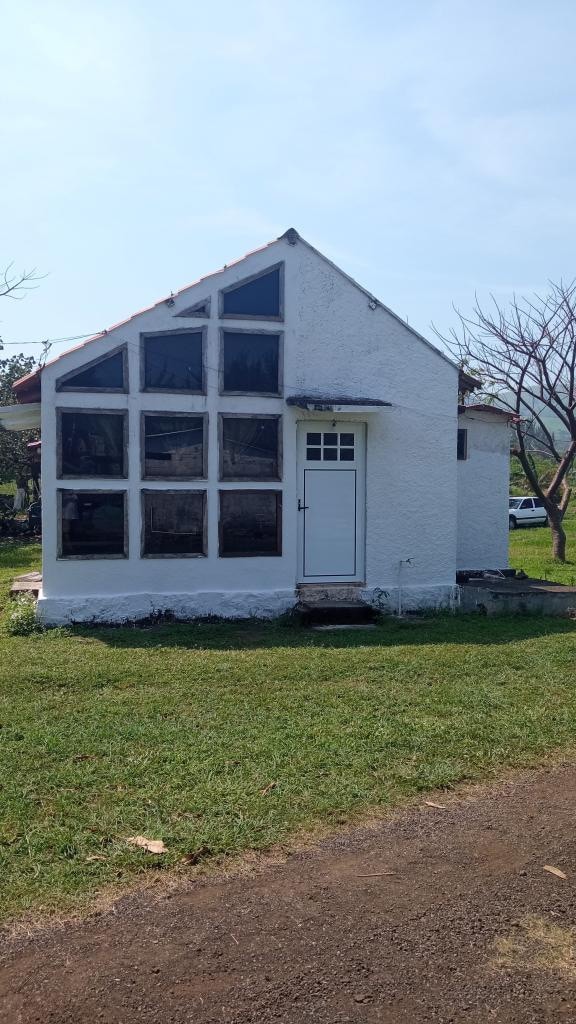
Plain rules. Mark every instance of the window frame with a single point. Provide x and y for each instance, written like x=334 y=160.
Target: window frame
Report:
x=174 y=490
x=248 y=280
x=61 y=388
x=168 y=413
x=462 y=431
x=86 y=410
x=202 y=331
x=251 y=490
x=251 y=394
x=194 y=312
x=90 y=490
x=248 y=416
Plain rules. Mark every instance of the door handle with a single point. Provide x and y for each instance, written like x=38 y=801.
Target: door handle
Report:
x=301 y=507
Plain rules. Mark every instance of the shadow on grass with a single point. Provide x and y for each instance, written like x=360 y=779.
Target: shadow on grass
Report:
x=250 y=634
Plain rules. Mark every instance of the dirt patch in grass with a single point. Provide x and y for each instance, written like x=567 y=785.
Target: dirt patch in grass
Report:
x=438 y=914
x=537 y=944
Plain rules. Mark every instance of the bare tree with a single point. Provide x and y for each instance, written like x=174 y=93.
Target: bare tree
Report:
x=14 y=284
x=524 y=354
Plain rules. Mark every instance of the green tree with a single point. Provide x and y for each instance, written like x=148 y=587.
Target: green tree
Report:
x=17 y=461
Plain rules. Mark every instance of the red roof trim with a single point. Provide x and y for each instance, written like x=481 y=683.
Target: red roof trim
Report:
x=31 y=379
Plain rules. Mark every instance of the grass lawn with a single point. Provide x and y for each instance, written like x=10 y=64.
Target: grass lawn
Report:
x=227 y=737
x=531 y=547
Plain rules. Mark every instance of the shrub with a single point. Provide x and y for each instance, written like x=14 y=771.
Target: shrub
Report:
x=22 y=619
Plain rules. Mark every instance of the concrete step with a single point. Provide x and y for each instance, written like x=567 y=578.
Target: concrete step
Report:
x=335 y=613
x=311 y=593
x=28 y=583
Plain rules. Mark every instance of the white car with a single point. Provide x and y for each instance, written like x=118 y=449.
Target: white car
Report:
x=523 y=511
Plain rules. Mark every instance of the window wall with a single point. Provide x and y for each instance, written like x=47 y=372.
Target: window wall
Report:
x=186 y=378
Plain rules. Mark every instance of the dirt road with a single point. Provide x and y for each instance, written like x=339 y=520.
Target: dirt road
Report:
x=438 y=915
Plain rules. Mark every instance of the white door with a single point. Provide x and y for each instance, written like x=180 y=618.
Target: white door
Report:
x=331 y=501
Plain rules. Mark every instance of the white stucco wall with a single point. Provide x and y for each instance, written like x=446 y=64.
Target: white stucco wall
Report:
x=333 y=342
x=483 y=488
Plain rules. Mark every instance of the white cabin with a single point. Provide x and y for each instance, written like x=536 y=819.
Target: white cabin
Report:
x=271 y=428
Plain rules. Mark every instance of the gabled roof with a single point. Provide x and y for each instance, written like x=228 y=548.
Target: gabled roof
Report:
x=493 y=410
x=28 y=388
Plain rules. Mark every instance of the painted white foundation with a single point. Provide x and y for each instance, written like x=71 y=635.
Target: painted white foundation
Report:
x=242 y=604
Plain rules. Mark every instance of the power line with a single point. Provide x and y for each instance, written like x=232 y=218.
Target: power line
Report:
x=53 y=341
x=209 y=387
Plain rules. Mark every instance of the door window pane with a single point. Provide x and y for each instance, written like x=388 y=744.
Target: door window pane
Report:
x=174 y=446
x=105 y=375
x=173 y=362
x=330 y=446
x=92 y=523
x=92 y=444
x=173 y=523
x=250 y=523
x=250 y=363
x=259 y=297
x=250 y=448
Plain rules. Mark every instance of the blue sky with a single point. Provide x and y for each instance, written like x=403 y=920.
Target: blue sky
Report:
x=427 y=147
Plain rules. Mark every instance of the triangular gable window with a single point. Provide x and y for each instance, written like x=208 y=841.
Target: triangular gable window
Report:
x=199 y=309
x=256 y=298
x=107 y=373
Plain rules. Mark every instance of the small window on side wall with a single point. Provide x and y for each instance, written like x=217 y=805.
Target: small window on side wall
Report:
x=462 y=446
x=92 y=443
x=250 y=447
x=92 y=524
x=173 y=446
x=250 y=363
x=173 y=361
x=255 y=298
x=173 y=524
x=250 y=523
x=107 y=373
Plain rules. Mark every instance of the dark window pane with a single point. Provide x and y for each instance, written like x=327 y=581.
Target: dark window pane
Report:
x=92 y=444
x=250 y=523
x=538 y=503
x=174 y=522
x=107 y=374
x=314 y=454
x=251 y=362
x=250 y=448
x=173 y=446
x=527 y=503
x=199 y=309
x=313 y=438
x=260 y=297
x=462 y=449
x=173 y=362
x=347 y=439
x=346 y=455
x=92 y=523
x=330 y=454
x=330 y=438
